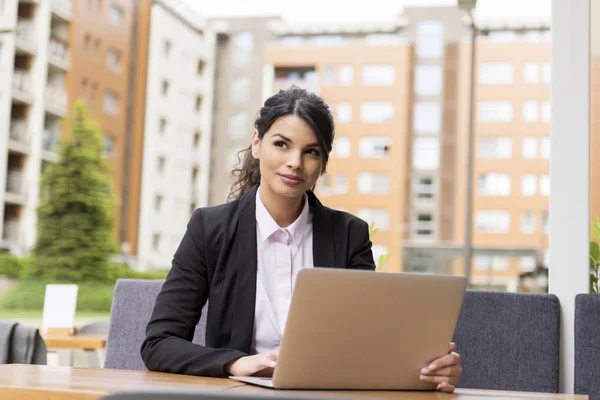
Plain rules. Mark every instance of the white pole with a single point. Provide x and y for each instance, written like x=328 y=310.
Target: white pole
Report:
x=569 y=168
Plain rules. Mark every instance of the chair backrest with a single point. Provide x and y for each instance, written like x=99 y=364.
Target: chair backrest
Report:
x=587 y=345
x=132 y=306
x=94 y=328
x=509 y=341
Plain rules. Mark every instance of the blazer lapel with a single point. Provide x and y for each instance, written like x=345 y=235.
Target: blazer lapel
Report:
x=323 y=239
x=245 y=294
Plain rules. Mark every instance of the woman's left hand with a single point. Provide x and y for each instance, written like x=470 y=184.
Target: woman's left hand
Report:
x=445 y=371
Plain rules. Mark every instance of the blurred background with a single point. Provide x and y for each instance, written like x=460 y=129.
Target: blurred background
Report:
x=442 y=131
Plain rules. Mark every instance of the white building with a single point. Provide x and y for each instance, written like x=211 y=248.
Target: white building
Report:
x=34 y=60
x=177 y=130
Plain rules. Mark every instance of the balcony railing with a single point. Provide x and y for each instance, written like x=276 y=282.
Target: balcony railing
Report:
x=14 y=182
x=58 y=50
x=22 y=83
x=10 y=231
x=18 y=131
x=25 y=35
x=50 y=140
x=56 y=100
x=63 y=7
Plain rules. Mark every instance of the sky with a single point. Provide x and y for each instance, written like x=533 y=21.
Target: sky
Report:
x=360 y=10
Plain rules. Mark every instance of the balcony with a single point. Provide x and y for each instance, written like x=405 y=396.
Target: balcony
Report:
x=61 y=9
x=56 y=101
x=22 y=87
x=58 y=53
x=10 y=232
x=25 y=40
x=312 y=85
x=50 y=145
x=15 y=187
x=19 y=136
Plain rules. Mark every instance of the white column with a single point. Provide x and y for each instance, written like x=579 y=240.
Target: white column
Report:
x=569 y=168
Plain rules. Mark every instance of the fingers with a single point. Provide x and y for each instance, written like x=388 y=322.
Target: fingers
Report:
x=452 y=379
x=452 y=347
x=454 y=370
x=446 y=361
x=445 y=387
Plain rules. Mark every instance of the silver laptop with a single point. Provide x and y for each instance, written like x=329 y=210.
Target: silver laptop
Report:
x=349 y=329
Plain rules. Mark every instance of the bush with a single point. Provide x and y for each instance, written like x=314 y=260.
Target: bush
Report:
x=11 y=265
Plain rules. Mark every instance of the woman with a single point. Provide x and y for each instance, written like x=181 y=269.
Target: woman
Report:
x=243 y=257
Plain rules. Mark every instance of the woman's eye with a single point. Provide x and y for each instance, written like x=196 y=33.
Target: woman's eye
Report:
x=280 y=144
x=314 y=152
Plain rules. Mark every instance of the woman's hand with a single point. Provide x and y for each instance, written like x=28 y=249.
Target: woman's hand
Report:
x=445 y=371
x=252 y=365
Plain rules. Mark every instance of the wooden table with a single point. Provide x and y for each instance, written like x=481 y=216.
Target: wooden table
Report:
x=34 y=382
x=76 y=342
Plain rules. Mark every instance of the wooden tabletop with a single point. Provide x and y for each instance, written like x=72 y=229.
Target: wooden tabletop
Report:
x=75 y=342
x=35 y=382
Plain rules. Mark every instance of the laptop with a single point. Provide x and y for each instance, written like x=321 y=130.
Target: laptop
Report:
x=364 y=330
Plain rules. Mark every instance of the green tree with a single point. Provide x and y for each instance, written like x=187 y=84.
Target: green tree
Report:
x=75 y=217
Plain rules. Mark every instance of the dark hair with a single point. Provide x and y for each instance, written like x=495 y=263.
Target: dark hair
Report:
x=307 y=106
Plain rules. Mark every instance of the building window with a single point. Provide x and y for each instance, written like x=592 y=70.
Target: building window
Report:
x=242 y=49
x=240 y=90
x=96 y=53
x=378 y=74
x=531 y=111
x=379 y=217
x=528 y=223
x=326 y=40
x=545 y=151
x=531 y=72
x=329 y=76
x=93 y=91
x=346 y=75
x=372 y=183
x=197 y=136
x=292 y=40
x=528 y=185
x=498 y=148
x=485 y=263
x=423 y=225
x=341 y=183
x=495 y=111
x=546 y=111
x=115 y=15
x=200 y=67
x=238 y=126
x=109 y=147
x=430 y=39
x=527 y=264
x=428 y=80
x=427 y=117
x=198 y=103
x=502 y=36
x=495 y=73
x=492 y=221
x=83 y=88
x=374 y=147
x=494 y=184
x=162 y=126
x=158 y=200
x=110 y=103
x=87 y=40
x=530 y=146
x=167 y=47
x=426 y=153
x=113 y=60
x=546 y=72
x=344 y=112
x=376 y=111
x=545 y=185
x=424 y=189
x=160 y=164
x=342 y=147
x=156 y=241
x=164 y=87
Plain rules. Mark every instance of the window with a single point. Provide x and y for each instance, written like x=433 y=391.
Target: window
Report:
x=424 y=189
x=110 y=103
x=83 y=88
x=379 y=217
x=164 y=88
x=158 y=200
x=495 y=73
x=240 y=90
x=373 y=183
x=492 y=221
x=344 y=112
x=238 y=126
x=545 y=152
x=87 y=40
x=545 y=185
x=427 y=117
x=485 y=263
x=156 y=241
x=529 y=185
x=531 y=72
x=546 y=111
x=426 y=153
x=242 y=49
x=160 y=164
x=162 y=126
x=113 y=60
x=109 y=146
x=200 y=67
x=502 y=36
x=292 y=40
x=197 y=136
x=115 y=15
x=528 y=223
x=430 y=39
x=342 y=147
x=494 y=184
x=93 y=90
x=374 y=147
x=530 y=145
x=341 y=183
x=326 y=40
x=329 y=76
x=531 y=111
x=376 y=111
x=527 y=264
x=546 y=72
x=96 y=49
x=346 y=75
x=495 y=111
x=198 y=103
x=428 y=80
x=378 y=74
x=167 y=47
x=499 y=148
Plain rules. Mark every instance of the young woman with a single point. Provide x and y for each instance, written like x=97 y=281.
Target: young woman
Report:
x=243 y=257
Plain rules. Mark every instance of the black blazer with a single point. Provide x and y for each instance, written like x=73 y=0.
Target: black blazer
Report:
x=216 y=261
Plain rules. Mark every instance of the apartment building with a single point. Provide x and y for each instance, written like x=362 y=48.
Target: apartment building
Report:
x=35 y=63
x=170 y=147
x=238 y=93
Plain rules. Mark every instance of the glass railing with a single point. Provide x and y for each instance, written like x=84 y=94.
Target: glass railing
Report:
x=25 y=34
x=59 y=49
x=22 y=81
x=56 y=99
x=50 y=140
x=18 y=131
x=14 y=182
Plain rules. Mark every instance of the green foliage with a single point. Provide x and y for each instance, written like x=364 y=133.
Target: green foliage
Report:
x=11 y=265
x=595 y=257
x=383 y=259
x=75 y=218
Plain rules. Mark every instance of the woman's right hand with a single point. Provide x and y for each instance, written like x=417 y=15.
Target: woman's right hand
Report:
x=252 y=365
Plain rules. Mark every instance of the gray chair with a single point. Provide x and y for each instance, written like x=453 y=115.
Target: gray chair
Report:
x=209 y=395
x=94 y=328
x=509 y=341
x=587 y=345
x=131 y=309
